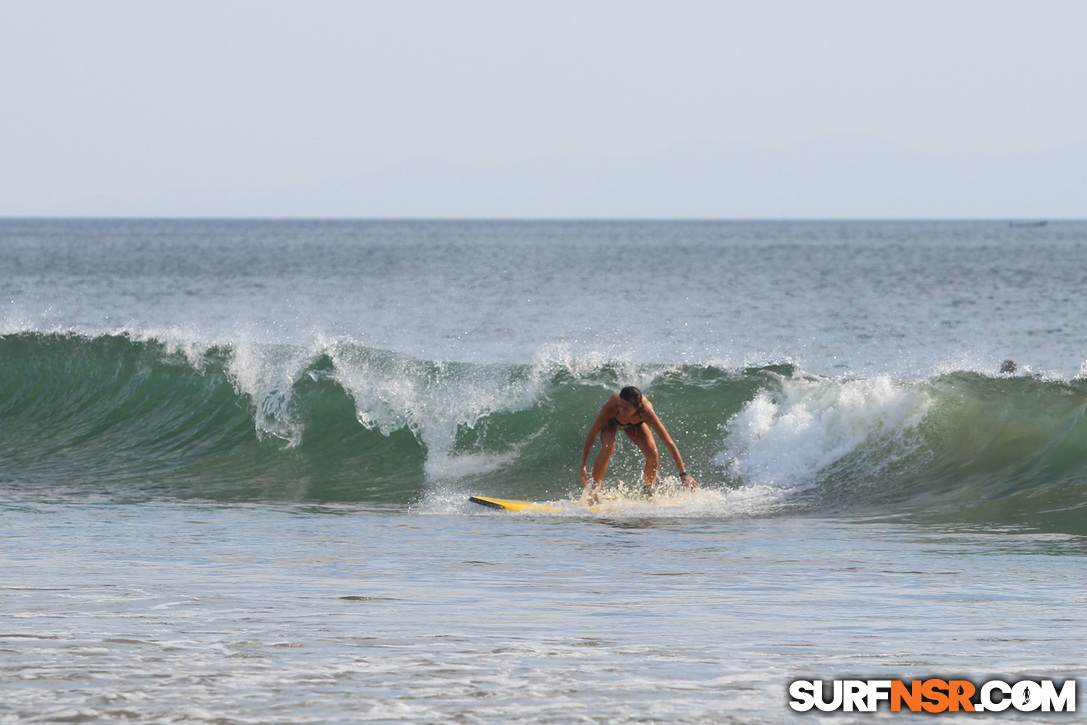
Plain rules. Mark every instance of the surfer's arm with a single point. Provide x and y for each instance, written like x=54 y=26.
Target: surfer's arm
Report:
x=585 y=455
x=650 y=416
x=589 y=440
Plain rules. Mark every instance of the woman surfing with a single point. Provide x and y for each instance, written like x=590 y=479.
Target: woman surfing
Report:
x=631 y=412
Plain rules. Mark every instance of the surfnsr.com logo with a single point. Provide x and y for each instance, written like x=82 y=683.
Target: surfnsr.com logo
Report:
x=932 y=695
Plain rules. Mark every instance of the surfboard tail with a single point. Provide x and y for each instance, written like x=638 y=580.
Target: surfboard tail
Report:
x=482 y=501
x=506 y=504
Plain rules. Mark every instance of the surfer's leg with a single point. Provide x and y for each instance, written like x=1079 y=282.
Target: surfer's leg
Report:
x=644 y=440
x=600 y=464
x=607 y=447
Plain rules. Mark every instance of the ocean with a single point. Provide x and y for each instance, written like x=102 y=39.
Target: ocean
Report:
x=236 y=456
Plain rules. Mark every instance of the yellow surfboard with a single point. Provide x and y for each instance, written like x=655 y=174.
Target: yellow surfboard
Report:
x=612 y=506
x=511 y=505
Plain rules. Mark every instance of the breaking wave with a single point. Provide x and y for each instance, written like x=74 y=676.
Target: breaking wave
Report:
x=142 y=418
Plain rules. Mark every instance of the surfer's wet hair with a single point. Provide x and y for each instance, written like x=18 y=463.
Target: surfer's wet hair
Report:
x=632 y=395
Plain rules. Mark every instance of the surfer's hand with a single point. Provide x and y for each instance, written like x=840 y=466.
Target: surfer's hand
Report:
x=688 y=483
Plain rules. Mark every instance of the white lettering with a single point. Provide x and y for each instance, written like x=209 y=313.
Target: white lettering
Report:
x=1064 y=701
x=987 y=696
x=836 y=700
x=803 y=694
x=878 y=690
x=855 y=696
x=1027 y=696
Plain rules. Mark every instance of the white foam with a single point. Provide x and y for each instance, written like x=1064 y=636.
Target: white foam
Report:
x=267 y=374
x=625 y=501
x=434 y=400
x=446 y=466
x=784 y=438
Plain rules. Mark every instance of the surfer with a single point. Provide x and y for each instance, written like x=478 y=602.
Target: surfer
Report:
x=629 y=411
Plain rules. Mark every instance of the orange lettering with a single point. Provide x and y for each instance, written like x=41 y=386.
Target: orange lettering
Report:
x=960 y=692
x=934 y=691
x=911 y=696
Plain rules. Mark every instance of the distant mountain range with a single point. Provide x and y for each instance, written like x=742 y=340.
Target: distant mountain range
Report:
x=835 y=178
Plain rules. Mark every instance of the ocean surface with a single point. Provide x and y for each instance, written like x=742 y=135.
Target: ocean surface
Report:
x=235 y=461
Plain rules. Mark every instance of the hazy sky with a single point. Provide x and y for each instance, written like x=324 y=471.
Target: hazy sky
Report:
x=113 y=106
